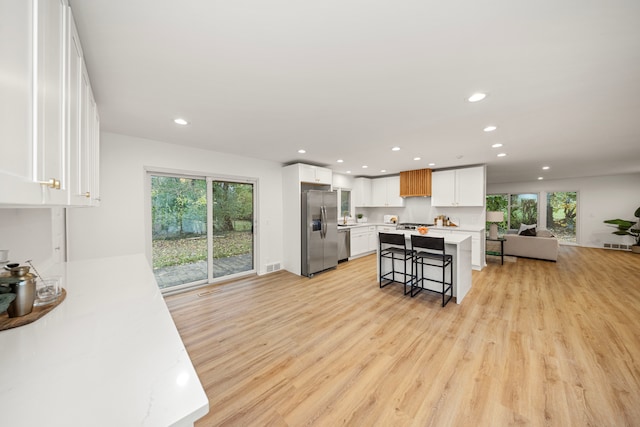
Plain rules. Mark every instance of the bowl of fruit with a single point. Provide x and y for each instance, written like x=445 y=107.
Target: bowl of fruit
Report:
x=423 y=230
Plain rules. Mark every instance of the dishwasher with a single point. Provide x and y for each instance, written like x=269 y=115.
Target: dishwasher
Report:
x=344 y=244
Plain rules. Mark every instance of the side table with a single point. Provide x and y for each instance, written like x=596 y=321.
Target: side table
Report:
x=496 y=253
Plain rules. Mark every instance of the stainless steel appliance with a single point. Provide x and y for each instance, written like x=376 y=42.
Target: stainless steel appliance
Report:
x=319 y=231
x=344 y=244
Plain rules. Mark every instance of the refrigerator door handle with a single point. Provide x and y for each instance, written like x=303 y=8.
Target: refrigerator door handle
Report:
x=323 y=217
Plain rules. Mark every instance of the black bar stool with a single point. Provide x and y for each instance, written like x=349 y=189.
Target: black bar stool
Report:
x=430 y=251
x=394 y=247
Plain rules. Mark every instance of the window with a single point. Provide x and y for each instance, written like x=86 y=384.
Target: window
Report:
x=523 y=210
x=345 y=201
x=561 y=215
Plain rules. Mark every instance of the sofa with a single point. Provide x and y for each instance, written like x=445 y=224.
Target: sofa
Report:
x=543 y=245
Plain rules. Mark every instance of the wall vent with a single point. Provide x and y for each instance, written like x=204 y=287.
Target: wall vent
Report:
x=273 y=267
x=617 y=246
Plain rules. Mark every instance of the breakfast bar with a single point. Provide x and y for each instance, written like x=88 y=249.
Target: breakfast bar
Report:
x=457 y=245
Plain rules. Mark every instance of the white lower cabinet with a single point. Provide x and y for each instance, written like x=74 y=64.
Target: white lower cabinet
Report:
x=477 y=244
x=477 y=247
x=364 y=240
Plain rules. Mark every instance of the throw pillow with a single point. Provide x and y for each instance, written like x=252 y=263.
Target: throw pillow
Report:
x=528 y=232
x=525 y=226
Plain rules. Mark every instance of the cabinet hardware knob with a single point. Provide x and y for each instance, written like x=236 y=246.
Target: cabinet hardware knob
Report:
x=87 y=195
x=51 y=183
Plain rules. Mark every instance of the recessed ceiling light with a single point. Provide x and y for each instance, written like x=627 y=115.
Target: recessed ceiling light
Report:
x=432 y=164
x=182 y=122
x=348 y=171
x=502 y=154
x=301 y=151
x=340 y=160
x=477 y=97
x=364 y=166
x=546 y=168
x=496 y=145
x=490 y=128
x=540 y=178
x=416 y=158
x=383 y=170
x=395 y=149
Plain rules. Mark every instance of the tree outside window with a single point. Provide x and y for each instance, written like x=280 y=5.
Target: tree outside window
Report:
x=561 y=214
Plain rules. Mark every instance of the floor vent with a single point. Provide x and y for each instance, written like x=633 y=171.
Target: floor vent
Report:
x=273 y=267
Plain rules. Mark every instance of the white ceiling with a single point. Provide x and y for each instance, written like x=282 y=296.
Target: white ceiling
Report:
x=349 y=79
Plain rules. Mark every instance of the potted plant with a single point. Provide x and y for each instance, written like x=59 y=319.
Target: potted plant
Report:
x=359 y=216
x=626 y=228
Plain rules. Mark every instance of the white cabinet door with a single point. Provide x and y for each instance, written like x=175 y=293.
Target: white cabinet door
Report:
x=443 y=188
x=315 y=174
x=470 y=187
x=378 y=192
x=51 y=147
x=393 y=191
x=373 y=238
x=385 y=192
x=362 y=192
x=17 y=114
x=359 y=241
x=458 y=187
x=477 y=247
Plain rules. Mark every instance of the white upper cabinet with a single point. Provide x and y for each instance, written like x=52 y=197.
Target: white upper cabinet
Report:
x=458 y=187
x=37 y=129
x=361 y=192
x=315 y=174
x=385 y=192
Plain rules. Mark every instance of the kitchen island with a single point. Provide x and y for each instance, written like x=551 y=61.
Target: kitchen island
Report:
x=108 y=355
x=457 y=245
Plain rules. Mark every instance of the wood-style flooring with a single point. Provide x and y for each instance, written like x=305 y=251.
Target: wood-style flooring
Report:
x=534 y=343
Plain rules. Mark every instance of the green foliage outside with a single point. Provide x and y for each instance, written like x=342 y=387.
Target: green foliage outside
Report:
x=561 y=214
x=179 y=220
x=524 y=210
x=500 y=203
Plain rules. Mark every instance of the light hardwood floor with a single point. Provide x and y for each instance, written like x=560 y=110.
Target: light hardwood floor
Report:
x=534 y=343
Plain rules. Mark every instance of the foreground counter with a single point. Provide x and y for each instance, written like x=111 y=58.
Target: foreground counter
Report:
x=457 y=245
x=108 y=355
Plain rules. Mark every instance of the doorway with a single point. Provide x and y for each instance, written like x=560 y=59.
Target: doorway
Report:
x=202 y=229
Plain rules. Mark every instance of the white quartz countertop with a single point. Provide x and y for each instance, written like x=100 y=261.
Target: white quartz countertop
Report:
x=108 y=355
x=453 y=239
x=459 y=228
x=365 y=224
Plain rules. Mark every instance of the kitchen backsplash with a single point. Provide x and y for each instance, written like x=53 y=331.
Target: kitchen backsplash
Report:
x=419 y=210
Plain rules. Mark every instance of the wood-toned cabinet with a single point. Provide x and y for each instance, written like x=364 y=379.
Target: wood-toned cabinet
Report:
x=37 y=127
x=458 y=187
x=415 y=183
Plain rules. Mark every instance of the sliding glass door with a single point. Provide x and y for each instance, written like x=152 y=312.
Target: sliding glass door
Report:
x=202 y=229
x=233 y=240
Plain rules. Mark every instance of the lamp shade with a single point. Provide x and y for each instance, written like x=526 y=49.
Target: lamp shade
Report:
x=495 y=216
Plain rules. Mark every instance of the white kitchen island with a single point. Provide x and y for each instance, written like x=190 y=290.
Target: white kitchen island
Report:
x=457 y=245
x=108 y=355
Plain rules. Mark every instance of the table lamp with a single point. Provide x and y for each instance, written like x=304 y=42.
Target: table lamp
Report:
x=494 y=217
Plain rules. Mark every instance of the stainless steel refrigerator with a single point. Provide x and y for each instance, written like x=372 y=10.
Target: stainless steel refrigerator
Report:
x=319 y=231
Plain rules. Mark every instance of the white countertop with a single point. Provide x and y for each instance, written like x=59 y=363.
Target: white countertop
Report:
x=452 y=239
x=108 y=355
x=364 y=224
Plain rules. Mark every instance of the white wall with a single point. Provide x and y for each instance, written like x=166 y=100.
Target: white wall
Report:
x=119 y=226
x=599 y=199
x=27 y=234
